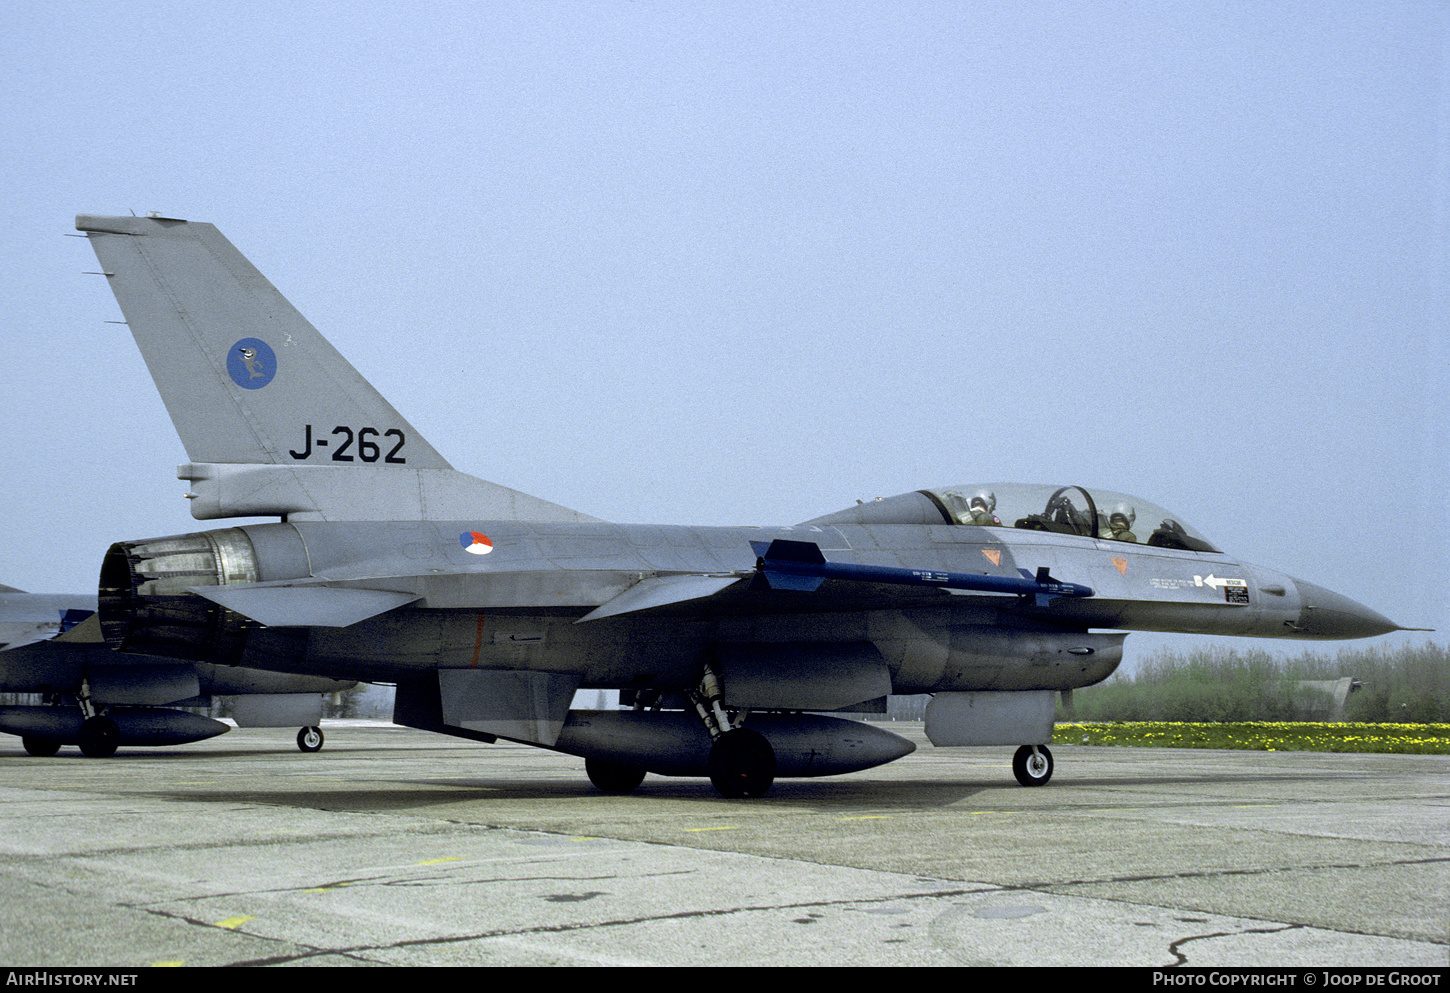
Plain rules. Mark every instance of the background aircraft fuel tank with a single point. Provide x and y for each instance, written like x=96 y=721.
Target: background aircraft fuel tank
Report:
x=136 y=725
x=675 y=743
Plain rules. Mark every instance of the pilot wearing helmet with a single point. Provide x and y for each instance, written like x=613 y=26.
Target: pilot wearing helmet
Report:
x=980 y=507
x=1120 y=523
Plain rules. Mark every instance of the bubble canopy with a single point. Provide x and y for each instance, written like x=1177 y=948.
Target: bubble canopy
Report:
x=1067 y=510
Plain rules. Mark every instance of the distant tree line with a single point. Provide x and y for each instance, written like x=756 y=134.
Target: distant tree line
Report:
x=1401 y=685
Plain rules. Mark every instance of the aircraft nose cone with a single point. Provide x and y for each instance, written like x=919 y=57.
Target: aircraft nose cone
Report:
x=1326 y=615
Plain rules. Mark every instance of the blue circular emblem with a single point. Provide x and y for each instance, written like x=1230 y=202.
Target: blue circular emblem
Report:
x=251 y=363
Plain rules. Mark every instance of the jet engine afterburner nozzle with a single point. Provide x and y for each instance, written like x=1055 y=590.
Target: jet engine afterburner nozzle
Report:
x=145 y=607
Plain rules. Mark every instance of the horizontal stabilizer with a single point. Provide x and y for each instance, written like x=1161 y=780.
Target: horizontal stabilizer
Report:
x=29 y=618
x=335 y=493
x=660 y=591
x=304 y=606
x=86 y=631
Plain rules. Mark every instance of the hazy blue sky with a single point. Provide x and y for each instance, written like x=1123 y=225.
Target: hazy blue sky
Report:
x=727 y=263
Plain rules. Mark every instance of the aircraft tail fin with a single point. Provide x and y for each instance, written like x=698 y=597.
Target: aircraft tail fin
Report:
x=273 y=418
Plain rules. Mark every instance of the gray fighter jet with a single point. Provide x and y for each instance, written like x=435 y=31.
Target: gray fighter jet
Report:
x=51 y=645
x=730 y=646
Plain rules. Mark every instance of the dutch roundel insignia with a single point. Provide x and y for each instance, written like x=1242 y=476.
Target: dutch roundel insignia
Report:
x=475 y=543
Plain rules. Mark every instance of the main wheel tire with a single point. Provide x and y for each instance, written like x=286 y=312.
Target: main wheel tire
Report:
x=99 y=738
x=611 y=777
x=41 y=748
x=310 y=739
x=1032 y=765
x=742 y=764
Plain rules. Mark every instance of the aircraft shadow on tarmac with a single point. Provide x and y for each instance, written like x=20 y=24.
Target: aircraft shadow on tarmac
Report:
x=393 y=794
x=402 y=794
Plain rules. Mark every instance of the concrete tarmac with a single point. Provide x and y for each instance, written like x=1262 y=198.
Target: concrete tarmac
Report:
x=397 y=847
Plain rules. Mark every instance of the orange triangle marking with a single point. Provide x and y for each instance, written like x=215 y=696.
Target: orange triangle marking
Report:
x=1122 y=565
x=994 y=555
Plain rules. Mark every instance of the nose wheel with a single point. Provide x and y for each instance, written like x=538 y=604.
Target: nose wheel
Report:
x=1032 y=765
x=309 y=739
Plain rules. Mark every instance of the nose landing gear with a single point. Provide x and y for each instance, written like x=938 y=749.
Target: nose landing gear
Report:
x=1032 y=765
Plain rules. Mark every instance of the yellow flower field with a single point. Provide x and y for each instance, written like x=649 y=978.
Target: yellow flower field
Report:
x=1267 y=736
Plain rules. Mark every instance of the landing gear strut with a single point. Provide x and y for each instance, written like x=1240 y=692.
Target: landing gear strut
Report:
x=1032 y=765
x=742 y=761
x=99 y=736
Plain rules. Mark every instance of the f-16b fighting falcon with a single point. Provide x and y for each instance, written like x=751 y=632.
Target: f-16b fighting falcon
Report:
x=730 y=646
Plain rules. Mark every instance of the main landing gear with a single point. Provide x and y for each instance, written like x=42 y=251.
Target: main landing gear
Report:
x=742 y=761
x=310 y=739
x=613 y=777
x=1032 y=765
x=742 y=764
x=99 y=738
x=42 y=748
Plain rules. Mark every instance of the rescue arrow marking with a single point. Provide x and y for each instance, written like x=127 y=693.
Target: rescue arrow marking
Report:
x=1216 y=582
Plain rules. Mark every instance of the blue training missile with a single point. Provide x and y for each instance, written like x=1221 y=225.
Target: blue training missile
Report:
x=800 y=565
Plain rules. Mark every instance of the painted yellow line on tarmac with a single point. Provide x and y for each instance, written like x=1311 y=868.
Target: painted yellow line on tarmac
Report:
x=723 y=827
x=232 y=923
